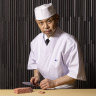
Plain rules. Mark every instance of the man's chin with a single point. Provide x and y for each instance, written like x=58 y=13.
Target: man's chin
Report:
x=49 y=35
x=47 y=32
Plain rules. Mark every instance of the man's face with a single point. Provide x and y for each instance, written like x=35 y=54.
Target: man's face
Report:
x=48 y=26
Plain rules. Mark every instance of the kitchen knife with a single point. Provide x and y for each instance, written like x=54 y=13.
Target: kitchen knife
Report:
x=32 y=85
x=27 y=83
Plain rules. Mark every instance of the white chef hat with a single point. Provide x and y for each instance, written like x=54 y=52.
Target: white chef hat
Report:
x=44 y=11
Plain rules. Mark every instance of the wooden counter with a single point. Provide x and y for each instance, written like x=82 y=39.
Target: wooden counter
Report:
x=56 y=92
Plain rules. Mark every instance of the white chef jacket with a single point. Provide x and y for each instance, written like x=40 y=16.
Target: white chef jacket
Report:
x=60 y=57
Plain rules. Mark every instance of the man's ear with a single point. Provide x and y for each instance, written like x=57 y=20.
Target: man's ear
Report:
x=56 y=17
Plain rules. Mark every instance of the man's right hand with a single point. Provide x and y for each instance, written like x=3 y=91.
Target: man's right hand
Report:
x=35 y=80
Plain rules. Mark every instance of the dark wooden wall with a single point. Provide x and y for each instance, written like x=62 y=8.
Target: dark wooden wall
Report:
x=18 y=28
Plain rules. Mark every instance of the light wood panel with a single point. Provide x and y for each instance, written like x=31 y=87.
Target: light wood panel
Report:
x=58 y=92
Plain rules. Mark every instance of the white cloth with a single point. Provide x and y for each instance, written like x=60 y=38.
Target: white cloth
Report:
x=60 y=57
x=45 y=37
x=44 y=11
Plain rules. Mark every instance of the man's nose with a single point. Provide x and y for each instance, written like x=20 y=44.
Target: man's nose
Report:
x=46 y=26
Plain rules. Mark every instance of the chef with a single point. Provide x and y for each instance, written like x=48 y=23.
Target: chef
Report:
x=54 y=53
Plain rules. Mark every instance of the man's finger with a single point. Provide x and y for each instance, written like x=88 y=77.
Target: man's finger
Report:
x=36 y=81
x=44 y=86
x=42 y=83
x=32 y=80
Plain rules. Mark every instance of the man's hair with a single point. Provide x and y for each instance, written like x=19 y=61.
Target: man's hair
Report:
x=56 y=17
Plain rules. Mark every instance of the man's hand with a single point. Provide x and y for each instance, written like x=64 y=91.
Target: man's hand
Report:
x=46 y=83
x=34 y=80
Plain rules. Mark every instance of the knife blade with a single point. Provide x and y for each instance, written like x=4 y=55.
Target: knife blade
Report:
x=32 y=85
x=27 y=83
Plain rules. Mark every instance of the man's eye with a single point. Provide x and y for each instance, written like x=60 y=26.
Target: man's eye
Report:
x=49 y=21
x=40 y=23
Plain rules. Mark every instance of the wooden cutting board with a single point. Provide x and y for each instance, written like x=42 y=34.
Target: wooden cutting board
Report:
x=56 y=92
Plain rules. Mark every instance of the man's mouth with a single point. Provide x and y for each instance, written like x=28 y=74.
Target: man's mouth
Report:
x=47 y=31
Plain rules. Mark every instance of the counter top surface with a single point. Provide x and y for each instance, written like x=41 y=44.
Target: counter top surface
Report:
x=56 y=92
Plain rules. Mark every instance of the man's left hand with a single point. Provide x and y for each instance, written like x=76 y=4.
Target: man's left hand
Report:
x=47 y=83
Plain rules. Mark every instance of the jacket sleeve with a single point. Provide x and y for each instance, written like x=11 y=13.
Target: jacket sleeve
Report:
x=74 y=61
x=32 y=59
